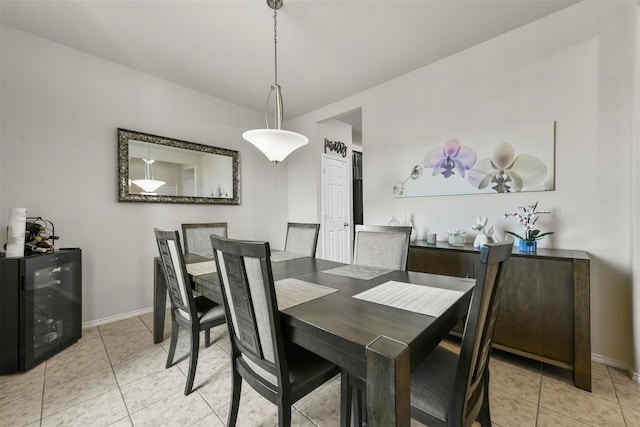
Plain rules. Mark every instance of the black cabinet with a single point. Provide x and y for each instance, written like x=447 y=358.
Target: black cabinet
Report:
x=40 y=307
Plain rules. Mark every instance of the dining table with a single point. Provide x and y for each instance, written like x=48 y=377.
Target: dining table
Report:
x=376 y=324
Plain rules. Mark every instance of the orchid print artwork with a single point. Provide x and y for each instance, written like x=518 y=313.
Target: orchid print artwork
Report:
x=524 y=163
x=507 y=172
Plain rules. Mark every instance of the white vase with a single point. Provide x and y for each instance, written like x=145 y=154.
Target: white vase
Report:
x=395 y=221
x=16 y=231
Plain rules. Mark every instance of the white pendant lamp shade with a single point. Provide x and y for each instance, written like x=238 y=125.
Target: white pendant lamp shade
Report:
x=148 y=184
x=276 y=144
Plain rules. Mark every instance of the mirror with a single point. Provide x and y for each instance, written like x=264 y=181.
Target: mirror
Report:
x=156 y=169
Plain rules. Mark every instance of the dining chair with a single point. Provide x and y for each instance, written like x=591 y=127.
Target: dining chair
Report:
x=196 y=237
x=280 y=371
x=302 y=238
x=193 y=314
x=379 y=246
x=382 y=246
x=448 y=389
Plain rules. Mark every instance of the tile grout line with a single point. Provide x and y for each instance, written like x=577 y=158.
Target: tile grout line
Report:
x=540 y=372
x=615 y=391
x=115 y=377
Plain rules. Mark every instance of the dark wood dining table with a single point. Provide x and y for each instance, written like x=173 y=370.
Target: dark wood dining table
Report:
x=378 y=343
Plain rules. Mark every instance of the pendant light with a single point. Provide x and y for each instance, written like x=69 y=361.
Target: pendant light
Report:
x=275 y=143
x=148 y=184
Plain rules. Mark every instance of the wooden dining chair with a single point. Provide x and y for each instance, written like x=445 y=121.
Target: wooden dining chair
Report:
x=302 y=238
x=448 y=389
x=193 y=314
x=280 y=371
x=382 y=246
x=379 y=246
x=196 y=237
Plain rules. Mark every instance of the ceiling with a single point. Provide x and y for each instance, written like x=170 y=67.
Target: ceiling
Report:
x=327 y=49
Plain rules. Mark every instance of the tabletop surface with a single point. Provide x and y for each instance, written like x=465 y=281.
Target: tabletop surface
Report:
x=350 y=324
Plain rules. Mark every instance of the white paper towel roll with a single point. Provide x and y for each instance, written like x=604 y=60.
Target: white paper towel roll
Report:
x=16 y=232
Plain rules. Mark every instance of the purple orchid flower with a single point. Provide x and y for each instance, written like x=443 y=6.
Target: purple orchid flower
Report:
x=450 y=158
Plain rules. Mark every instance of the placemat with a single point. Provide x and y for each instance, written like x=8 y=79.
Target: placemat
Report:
x=277 y=256
x=406 y=296
x=358 y=271
x=198 y=268
x=290 y=292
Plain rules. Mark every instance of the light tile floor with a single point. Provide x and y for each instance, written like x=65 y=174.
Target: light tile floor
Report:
x=115 y=376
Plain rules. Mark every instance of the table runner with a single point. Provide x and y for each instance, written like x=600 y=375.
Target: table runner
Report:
x=290 y=292
x=277 y=256
x=425 y=300
x=358 y=271
x=198 y=268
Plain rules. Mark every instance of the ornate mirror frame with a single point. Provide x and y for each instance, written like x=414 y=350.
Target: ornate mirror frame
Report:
x=124 y=136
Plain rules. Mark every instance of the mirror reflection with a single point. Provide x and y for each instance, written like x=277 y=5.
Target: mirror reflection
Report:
x=159 y=169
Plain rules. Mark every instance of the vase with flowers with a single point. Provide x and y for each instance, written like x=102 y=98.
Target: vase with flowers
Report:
x=528 y=216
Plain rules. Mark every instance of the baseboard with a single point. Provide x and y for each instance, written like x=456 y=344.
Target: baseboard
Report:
x=614 y=363
x=110 y=319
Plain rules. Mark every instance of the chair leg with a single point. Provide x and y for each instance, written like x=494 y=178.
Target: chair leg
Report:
x=207 y=337
x=284 y=414
x=236 y=388
x=193 y=360
x=346 y=399
x=360 y=401
x=175 y=330
x=485 y=413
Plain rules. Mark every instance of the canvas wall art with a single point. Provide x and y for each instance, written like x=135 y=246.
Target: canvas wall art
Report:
x=521 y=159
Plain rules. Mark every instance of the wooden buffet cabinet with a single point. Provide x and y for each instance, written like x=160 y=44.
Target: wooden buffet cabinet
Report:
x=545 y=308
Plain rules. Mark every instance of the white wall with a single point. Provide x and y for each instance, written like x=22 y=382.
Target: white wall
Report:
x=573 y=67
x=60 y=111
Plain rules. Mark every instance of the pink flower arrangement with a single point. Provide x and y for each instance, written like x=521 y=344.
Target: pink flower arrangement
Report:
x=527 y=216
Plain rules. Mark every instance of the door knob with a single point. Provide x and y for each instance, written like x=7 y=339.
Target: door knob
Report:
x=346 y=224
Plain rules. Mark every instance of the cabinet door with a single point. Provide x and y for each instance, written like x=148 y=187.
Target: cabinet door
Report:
x=439 y=261
x=536 y=309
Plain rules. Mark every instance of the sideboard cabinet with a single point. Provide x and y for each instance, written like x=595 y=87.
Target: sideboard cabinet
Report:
x=545 y=307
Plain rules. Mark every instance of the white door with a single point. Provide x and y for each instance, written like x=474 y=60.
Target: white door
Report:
x=336 y=210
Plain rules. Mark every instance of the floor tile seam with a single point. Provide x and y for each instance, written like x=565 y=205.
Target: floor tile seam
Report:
x=76 y=402
x=218 y=413
x=44 y=387
x=62 y=360
x=567 y=416
x=539 y=395
x=214 y=413
x=66 y=378
x=514 y=395
x=616 y=401
x=19 y=396
x=145 y=325
x=304 y=414
x=124 y=357
x=548 y=408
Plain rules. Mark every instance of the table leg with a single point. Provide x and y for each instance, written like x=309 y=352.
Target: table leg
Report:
x=582 y=324
x=388 y=386
x=159 y=301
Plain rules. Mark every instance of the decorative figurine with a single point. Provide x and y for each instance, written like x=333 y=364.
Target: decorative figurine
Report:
x=485 y=235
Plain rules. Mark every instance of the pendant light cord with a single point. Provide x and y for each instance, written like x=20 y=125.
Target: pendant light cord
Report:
x=275 y=43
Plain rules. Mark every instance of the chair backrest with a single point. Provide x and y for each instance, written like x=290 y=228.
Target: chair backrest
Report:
x=175 y=273
x=472 y=371
x=382 y=246
x=302 y=238
x=244 y=270
x=196 y=237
